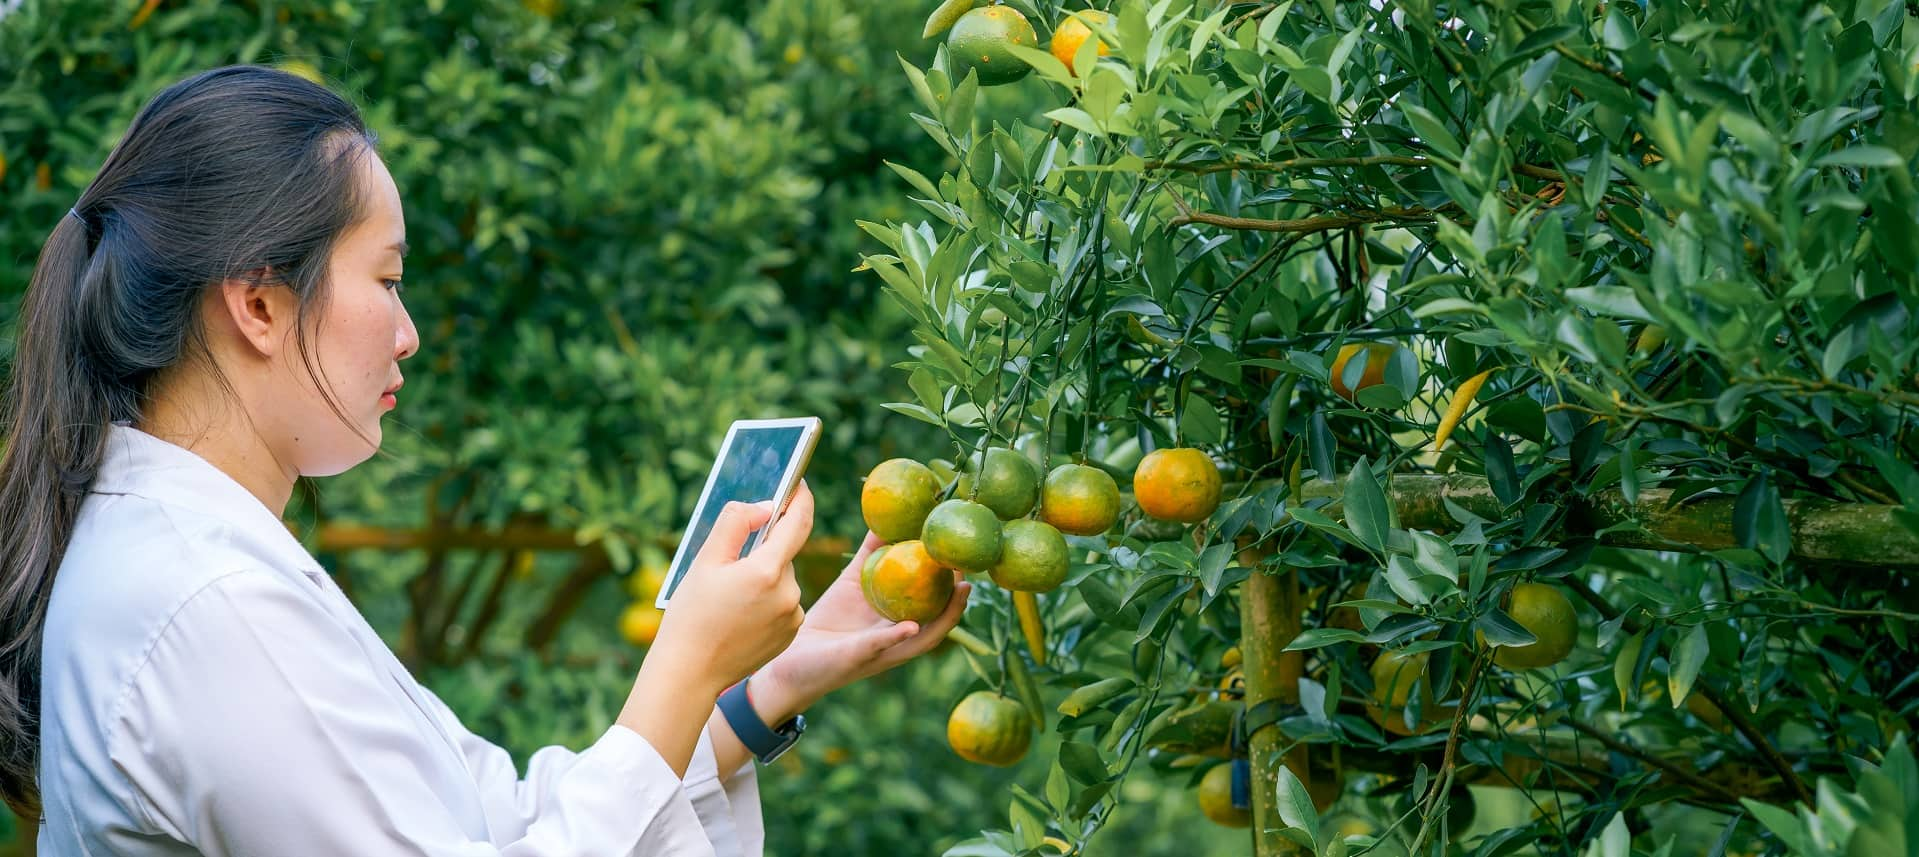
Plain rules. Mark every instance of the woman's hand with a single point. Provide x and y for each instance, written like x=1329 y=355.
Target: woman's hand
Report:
x=842 y=641
x=729 y=617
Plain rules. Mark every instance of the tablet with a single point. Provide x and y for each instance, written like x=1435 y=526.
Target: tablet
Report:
x=760 y=460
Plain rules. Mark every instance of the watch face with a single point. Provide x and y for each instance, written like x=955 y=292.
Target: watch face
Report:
x=789 y=733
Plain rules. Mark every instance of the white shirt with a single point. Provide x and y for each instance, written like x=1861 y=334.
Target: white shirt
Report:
x=207 y=689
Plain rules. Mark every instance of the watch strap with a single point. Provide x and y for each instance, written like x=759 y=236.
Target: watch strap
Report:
x=765 y=743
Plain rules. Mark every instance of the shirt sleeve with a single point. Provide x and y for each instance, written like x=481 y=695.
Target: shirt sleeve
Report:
x=729 y=812
x=259 y=725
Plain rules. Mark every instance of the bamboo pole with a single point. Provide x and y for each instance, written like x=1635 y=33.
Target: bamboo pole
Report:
x=513 y=537
x=1860 y=533
x=1269 y=620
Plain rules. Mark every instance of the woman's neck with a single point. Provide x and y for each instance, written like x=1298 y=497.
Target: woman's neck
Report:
x=211 y=422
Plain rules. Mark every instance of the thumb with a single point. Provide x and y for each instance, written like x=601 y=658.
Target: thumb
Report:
x=873 y=642
x=736 y=521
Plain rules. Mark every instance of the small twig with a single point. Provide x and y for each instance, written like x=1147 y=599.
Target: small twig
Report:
x=1691 y=779
x=1325 y=223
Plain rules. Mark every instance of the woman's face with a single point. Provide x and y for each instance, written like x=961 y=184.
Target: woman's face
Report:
x=356 y=343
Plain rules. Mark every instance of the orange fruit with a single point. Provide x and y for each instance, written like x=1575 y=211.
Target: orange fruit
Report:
x=1394 y=675
x=645 y=583
x=896 y=498
x=962 y=534
x=989 y=729
x=1372 y=372
x=1546 y=612
x=1216 y=798
x=1080 y=500
x=1072 y=33
x=979 y=40
x=866 y=571
x=1177 y=485
x=1008 y=484
x=1032 y=558
x=640 y=623
x=907 y=585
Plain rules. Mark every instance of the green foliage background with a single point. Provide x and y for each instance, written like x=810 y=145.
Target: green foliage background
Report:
x=632 y=224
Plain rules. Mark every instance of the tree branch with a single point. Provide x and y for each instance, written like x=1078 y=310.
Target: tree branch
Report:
x=1207 y=167
x=1705 y=688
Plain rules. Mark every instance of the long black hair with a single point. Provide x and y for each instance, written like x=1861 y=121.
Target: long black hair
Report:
x=243 y=173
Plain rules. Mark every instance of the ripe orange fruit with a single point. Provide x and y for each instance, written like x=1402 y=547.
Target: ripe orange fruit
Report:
x=1072 y=33
x=640 y=623
x=1008 y=484
x=962 y=534
x=1373 y=372
x=1177 y=485
x=896 y=498
x=1216 y=798
x=989 y=729
x=1080 y=500
x=1394 y=675
x=1032 y=557
x=1546 y=612
x=979 y=40
x=906 y=584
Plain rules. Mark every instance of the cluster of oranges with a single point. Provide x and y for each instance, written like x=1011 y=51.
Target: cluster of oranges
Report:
x=1002 y=519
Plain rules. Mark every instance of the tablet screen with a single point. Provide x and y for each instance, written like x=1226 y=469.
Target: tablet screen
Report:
x=750 y=468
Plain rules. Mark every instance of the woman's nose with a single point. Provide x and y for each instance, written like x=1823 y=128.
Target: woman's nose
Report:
x=407 y=338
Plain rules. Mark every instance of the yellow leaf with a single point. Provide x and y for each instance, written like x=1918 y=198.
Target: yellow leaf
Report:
x=1462 y=399
x=140 y=17
x=1026 y=604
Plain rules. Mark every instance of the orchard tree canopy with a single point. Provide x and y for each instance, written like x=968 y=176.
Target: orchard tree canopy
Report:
x=1559 y=361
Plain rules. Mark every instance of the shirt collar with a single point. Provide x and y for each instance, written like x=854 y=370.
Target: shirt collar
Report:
x=140 y=464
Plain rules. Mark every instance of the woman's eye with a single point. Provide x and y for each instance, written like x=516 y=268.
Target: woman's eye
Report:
x=395 y=285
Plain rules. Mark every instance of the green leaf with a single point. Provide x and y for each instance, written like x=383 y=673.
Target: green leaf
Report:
x=1367 y=514
x=1759 y=520
x=1091 y=696
x=1863 y=156
x=1688 y=655
x=1073 y=117
x=1082 y=762
x=1296 y=805
x=1625 y=667
x=1614 y=301
x=1501 y=630
x=1314 y=638
x=1790 y=830
x=1432 y=131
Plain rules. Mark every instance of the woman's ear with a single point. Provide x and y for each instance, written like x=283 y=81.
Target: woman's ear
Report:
x=259 y=308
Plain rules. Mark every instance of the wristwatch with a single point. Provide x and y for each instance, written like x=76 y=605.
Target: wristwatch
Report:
x=766 y=744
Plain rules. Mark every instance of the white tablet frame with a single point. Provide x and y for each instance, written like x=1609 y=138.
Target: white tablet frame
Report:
x=789 y=480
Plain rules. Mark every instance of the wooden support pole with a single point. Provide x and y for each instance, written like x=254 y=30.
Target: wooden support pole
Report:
x=1269 y=620
x=1860 y=533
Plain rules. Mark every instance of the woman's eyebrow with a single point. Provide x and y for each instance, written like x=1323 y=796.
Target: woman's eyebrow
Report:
x=399 y=246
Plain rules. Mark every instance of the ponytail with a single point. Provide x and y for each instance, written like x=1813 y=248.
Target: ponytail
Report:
x=53 y=446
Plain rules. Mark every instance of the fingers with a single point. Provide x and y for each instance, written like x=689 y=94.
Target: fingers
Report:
x=736 y=522
x=867 y=546
x=791 y=531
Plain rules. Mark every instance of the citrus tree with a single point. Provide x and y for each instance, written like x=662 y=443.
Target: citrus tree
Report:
x=1351 y=403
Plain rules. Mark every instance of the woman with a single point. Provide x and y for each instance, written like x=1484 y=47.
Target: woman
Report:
x=217 y=316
